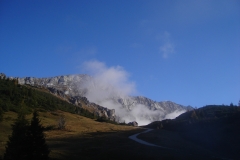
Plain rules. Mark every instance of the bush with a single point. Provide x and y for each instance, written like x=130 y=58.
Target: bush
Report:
x=61 y=122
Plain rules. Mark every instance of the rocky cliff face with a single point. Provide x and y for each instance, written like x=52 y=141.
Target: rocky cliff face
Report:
x=69 y=88
x=98 y=110
x=151 y=110
x=79 y=86
x=72 y=85
x=164 y=106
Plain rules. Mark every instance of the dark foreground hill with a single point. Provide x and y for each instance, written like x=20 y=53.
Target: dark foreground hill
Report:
x=216 y=128
x=86 y=138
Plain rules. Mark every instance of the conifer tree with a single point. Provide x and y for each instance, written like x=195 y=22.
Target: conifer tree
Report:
x=27 y=142
x=39 y=148
x=17 y=146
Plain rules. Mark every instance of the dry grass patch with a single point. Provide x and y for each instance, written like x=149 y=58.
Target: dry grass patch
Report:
x=76 y=127
x=76 y=124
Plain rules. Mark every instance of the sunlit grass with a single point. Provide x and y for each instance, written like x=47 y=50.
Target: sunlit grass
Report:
x=76 y=126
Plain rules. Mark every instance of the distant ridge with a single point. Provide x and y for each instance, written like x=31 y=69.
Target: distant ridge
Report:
x=125 y=106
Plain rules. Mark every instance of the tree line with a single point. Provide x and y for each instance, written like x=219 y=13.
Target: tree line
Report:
x=15 y=97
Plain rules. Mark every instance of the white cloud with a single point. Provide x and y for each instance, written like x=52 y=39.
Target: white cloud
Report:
x=167 y=49
x=108 y=81
x=113 y=82
x=167 y=46
x=174 y=114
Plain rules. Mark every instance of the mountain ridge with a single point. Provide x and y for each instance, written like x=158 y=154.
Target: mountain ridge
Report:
x=84 y=85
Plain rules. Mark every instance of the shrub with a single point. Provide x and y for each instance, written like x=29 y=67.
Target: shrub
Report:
x=61 y=122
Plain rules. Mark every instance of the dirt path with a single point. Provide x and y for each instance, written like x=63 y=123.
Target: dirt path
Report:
x=134 y=137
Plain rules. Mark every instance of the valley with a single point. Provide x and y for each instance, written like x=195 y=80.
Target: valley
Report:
x=85 y=138
x=120 y=80
x=209 y=132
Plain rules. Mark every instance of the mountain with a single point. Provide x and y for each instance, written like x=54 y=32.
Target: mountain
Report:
x=210 y=114
x=214 y=127
x=164 y=106
x=127 y=108
x=15 y=97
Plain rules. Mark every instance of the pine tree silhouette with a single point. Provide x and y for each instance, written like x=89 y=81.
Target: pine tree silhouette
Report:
x=27 y=142
x=39 y=148
x=17 y=146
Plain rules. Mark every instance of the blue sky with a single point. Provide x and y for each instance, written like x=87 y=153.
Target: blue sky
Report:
x=184 y=51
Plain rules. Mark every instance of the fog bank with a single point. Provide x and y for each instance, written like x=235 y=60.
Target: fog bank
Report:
x=111 y=83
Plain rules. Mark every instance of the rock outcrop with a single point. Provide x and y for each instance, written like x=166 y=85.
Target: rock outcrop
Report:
x=98 y=110
x=155 y=110
x=77 y=88
x=79 y=101
x=2 y=76
x=72 y=85
x=134 y=123
x=66 y=87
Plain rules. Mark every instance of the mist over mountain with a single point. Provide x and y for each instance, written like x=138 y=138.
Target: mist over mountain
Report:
x=112 y=96
x=111 y=93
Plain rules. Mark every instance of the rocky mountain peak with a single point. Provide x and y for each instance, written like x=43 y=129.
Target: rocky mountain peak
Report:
x=128 y=108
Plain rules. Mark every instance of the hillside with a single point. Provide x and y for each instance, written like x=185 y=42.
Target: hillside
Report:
x=15 y=97
x=85 y=138
x=23 y=98
x=126 y=108
x=60 y=141
x=211 y=132
x=215 y=127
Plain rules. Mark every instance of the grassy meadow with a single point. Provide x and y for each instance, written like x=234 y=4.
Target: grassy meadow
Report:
x=85 y=138
x=79 y=130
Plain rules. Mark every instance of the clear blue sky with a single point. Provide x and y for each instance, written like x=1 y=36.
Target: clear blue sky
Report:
x=186 y=51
